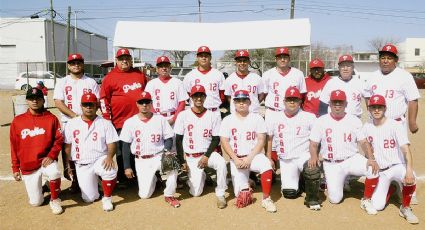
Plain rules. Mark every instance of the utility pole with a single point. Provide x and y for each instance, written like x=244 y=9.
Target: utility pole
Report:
x=199 y=10
x=292 y=9
x=75 y=32
x=68 y=33
x=53 y=41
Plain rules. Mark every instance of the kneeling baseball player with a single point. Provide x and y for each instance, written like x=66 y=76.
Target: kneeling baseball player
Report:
x=243 y=136
x=148 y=136
x=392 y=153
x=90 y=141
x=197 y=137
x=35 y=143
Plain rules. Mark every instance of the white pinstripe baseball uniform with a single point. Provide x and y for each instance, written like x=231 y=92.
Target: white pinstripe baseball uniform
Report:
x=251 y=83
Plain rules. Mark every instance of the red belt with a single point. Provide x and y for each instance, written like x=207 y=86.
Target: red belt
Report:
x=168 y=114
x=273 y=109
x=194 y=155
x=213 y=109
x=334 y=161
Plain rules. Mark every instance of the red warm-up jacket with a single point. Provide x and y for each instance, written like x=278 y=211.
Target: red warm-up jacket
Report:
x=32 y=138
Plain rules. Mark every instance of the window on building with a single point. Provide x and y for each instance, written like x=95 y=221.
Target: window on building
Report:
x=417 y=52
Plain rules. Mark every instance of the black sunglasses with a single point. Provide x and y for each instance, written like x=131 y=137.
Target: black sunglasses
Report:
x=144 y=102
x=88 y=104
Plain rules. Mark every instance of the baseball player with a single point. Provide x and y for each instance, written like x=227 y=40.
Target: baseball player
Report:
x=35 y=143
x=347 y=82
x=197 y=138
x=67 y=95
x=315 y=83
x=147 y=136
x=118 y=95
x=391 y=150
x=399 y=89
x=242 y=136
x=210 y=78
x=246 y=80
x=338 y=134
x=290 y=129
x=168 y=93
x=91 y=144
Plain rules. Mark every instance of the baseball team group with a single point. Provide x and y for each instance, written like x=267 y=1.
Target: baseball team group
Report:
x=311 y=130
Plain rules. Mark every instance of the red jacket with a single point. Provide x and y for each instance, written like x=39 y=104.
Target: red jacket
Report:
x=119 y=93
x=32 y=138
x=314 y=89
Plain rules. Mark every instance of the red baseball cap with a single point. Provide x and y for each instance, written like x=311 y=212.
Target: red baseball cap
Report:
x=88 y=98
x=345 y=58
x=242 y=53
x=145 y=96
x=293 y=92
x=241 y=94
x=281 y=50
x=75 y=57
x=316 y=63
x=122 y=51
x=377 y=100
x=389 y=48
x=162 y=59
x=203 y=49
x=197 y=89
x=338 y=95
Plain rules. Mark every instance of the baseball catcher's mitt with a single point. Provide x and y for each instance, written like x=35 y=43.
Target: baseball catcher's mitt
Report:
x=244 y=198
x=169 y=162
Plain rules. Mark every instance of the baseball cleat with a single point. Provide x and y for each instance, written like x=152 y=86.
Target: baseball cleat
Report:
x=56 y=206
x=366 y=204
x=172 y=201
x=407 y=213
x=107 y=204
x=221 y=202
x=315 y=207
x=268 y=205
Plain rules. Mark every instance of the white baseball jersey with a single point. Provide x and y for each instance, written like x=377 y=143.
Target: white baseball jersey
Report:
x=291 y=134
x=197 y=130
x=166 y=96
x=70 y=90
x=242 y=132
x=386 y=140
x=146 y=137
x=89 y=143
x=212 y=81
x=252 y=83
x=276 y=85
x=398 y=88
x=354 y=89
x=338 y=138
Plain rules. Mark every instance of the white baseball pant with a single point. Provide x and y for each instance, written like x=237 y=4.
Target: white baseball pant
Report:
x=290 y=170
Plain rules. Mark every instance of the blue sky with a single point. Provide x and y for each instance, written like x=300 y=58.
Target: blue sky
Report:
x=333 y=22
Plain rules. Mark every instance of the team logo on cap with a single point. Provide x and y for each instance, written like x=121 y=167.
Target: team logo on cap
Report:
x=345 y=57
x=143 y=94
x=198 y=87
x=315 y=62
x=241 y=53
x=292 y=91
x=162 y=58
x=34 y=91
x=122 y=51
x=88 y=96
x=376 y=99
x=203 y=48
x=282 y=50
x=388 y=48
x=74 y=56
x=337 y=92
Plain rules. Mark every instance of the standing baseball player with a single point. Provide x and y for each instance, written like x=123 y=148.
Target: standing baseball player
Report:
x=392 y=153
x=210 y=78
x=91 y=144
x=197 y=138
x=146 y=137
x=35 y=143
x=169 y=96
x=243 y=79
x=67 y=94
x=290 y=129
x=315 y=83
x=338 y=134
x=118 y=95
x=243 y=136
x=347 y=82
x=399 y=89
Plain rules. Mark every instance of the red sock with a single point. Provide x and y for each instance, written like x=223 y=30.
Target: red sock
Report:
x=266 y=183
x=391 y=191
x=369 y=187
x=408 y=190
x=55 y=188
x=274 y=156
x=108 y=186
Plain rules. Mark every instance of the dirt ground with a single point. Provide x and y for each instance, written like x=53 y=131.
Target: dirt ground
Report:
x=195 y=213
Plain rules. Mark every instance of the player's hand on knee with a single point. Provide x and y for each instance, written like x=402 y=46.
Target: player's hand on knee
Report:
x=409 y=178
x=46 y=161
x=17 y=176
x=108 y=163
x=129 y=173
x=69 y=173
x=203 y=162
x=413 y=127
x=313 y=162
x=238 y=162
x=185 y=168
x=374 y=165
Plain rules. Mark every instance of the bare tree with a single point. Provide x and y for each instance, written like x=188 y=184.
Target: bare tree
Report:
x=377 y=43
x=178 y=57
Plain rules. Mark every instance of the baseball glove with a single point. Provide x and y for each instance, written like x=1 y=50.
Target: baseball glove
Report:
x=244 y=198
x=169 y=162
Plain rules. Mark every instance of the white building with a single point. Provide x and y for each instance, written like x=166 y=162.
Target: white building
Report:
x=412 y=52
x=27 y=43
